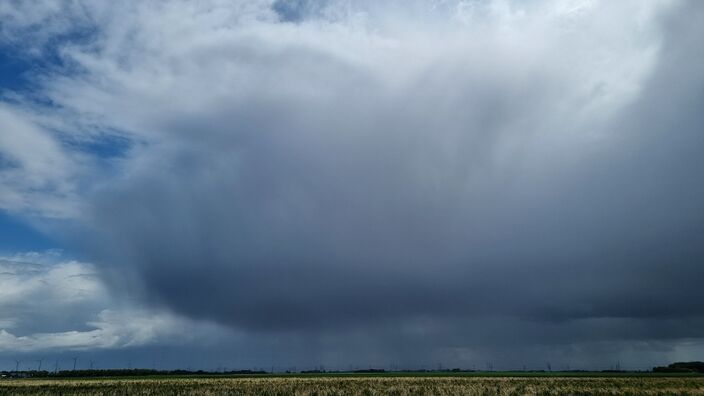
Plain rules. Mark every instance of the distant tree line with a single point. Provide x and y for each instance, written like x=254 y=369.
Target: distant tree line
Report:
x=681 y=367
x=120 y=373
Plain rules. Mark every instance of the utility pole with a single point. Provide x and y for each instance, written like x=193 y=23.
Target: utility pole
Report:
x=75 y=359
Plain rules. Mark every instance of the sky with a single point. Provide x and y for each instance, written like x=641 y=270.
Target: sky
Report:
x=298 y=184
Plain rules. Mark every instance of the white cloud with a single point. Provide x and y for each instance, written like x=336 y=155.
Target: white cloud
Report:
x=36 y=172
x=63 y=283
x=38 y=291
x=113 y=329
x=171 y=74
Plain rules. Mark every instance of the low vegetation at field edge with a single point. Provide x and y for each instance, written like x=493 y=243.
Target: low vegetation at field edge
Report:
x=360 y=386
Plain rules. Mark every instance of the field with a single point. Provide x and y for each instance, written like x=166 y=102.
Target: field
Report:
x=362 y=385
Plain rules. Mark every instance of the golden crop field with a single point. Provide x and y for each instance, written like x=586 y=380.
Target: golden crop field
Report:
x=361 y=386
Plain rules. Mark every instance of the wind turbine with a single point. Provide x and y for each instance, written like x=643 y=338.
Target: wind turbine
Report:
x=75 y=359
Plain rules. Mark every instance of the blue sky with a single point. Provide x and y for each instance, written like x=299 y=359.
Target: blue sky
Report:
x=16 y=235
x=12 y=70
x=19 y=72
x=300 y=183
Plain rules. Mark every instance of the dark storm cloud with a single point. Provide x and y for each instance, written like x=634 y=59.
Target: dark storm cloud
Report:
x=285 y=220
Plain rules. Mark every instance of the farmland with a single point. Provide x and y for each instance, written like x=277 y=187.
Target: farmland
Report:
x=361 y=385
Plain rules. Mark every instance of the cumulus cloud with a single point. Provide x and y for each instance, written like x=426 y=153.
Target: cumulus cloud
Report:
x=49 y=304
x=469 y=172
x=35 y=172
x=112 y=329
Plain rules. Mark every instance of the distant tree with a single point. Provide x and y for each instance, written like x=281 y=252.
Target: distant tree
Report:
x=681 y=367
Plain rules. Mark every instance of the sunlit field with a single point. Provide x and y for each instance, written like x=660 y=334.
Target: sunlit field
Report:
x=381 y=385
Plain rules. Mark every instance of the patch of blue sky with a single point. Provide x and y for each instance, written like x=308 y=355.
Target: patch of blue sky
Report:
x=15 y=234
x=21 y=72
x=13 y=70
x=24 y=58
x=18 y=236
x=106 y=146
x=296 y=10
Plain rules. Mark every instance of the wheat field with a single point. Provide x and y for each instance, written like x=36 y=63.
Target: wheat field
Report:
x=360 y=386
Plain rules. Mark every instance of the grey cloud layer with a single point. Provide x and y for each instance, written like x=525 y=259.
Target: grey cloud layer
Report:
x=455 y=176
